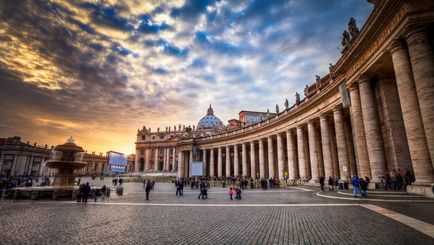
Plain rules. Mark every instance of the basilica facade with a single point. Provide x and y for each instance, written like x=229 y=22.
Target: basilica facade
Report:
x=372 y=114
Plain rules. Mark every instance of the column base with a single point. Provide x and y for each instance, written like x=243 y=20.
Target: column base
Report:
x=424 y=189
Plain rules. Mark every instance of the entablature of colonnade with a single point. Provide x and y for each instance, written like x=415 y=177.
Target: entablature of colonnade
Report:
x=389 y=21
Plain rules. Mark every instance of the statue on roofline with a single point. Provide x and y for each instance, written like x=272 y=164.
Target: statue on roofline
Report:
x=352 y=28
x=345 y=39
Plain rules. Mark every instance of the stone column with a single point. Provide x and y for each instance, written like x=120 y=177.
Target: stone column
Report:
x=147 y=159
x=373 y=133
x=252 y=160
x=173 y=158
x=301 y=153
x=417 y=141
x=280 y=157
x=359 y=132
x=236 y=161
x=244 y=158
x=341 y=144
x=422 y=62
x=228 y=161
x=156 y=160
x=211 y=163
x=180 y=164
x=190 y=160
x=271 y=171
x=313 y=151
x=292 y=155
x=205 y=163
x=261 y=159
x=326 y=147
x=219 y=163
x=350 y=148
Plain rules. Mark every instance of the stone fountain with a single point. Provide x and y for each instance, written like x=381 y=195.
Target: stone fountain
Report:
x=66 y=159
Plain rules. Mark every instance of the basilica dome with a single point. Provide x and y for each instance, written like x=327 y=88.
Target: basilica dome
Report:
x=209 y=121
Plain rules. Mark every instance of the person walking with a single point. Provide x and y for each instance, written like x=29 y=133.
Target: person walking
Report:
x=86 y=192
x=356 y=185
x=148 y=188
x=321 y=182
x=231 y=192
x=331 y=183
x=363 y=187
x=103 y=192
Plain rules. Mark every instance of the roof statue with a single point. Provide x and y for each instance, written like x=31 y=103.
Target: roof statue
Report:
x=352 y=28
x=306 y=91
x=297 y=98
x=345 y=39
x=332 y=74
x=318 y=81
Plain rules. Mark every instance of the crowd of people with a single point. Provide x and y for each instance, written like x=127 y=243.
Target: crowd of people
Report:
x=22 y=181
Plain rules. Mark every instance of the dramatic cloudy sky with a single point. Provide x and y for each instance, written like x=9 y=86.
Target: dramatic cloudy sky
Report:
x=99 y=70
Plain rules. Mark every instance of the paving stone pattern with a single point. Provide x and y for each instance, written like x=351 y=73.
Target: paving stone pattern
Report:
x=26 y=222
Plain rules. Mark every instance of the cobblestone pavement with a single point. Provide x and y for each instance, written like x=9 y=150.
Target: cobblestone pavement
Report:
x=285 y=216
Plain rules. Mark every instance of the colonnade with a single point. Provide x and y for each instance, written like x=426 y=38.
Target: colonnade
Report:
x=389 y=126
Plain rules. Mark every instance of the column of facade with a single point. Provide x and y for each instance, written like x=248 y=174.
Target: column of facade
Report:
x=190 y=160
x=301 y=153
x=252 y=160
x=359 y=132
x=271 y=171
x=236 y=161
x=341 y=144
x=280 y=157
x=413 y=123
x=180 y=164
x=261 y=159
x=228 y=161
x=292 y=155
x=147 y=159
x=422 y=63
x=244 y=158
x=205 y=163
x=136 y=163
x=174 y=158
x=373 y=133
x=211 y=163
x=326 y=147
x=156 y=155
x=219 y=163
x=313 y=151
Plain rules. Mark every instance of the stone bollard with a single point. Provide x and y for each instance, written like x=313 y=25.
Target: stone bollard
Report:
x=74 y=195
x=55 y=194
x=3 y=194
x=34 y=195
x=15 y=194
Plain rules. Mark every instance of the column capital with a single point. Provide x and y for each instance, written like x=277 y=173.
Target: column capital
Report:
x=363 y=78
x=353 y=86
x=413 y=29
x=396 y=45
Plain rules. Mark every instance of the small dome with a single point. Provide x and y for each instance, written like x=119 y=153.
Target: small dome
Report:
x=209 y=121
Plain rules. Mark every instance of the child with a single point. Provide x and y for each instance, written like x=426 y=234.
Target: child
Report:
x=231 y=192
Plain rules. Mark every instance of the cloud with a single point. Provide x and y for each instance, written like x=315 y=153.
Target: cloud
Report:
x=101 y=69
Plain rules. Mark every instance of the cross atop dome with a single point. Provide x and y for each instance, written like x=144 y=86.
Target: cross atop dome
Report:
x=210 y=111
